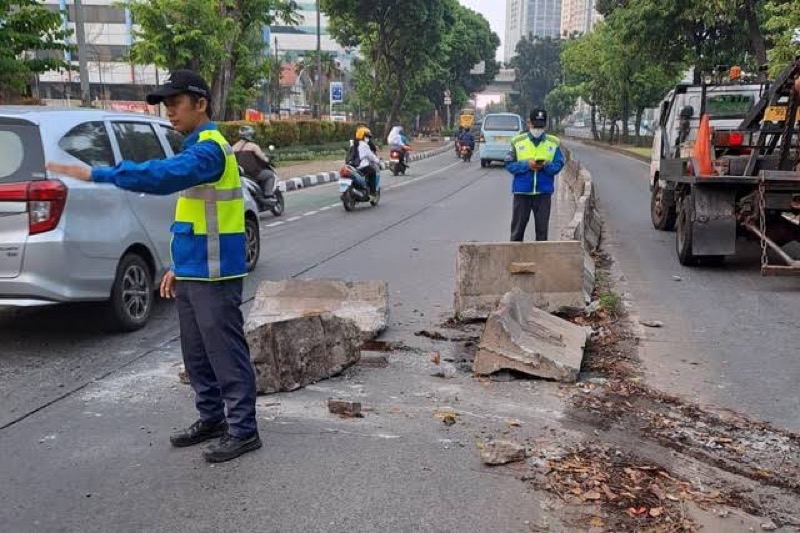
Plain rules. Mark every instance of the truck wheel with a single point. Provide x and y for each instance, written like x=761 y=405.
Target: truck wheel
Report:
x=132 y=294
x=663 y=214
x=683 y=236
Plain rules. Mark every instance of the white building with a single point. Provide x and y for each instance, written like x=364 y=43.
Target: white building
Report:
x=530 y=18
x=108 y=29
x=294 y=42
x=578 y=16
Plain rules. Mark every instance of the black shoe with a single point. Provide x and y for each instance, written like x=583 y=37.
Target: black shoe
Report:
x=198 y=432
x=230 y=447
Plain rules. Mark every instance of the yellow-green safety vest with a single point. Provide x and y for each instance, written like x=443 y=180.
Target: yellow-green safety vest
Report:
x=526 y=150
x=208 y=235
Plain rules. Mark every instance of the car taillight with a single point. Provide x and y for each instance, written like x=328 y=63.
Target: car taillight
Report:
x=46 y=200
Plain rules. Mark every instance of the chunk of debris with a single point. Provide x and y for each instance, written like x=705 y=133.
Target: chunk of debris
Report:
x=436 y=358
x=345 y=408
x=183 y=376
x=364 y=302
x=521 y=337
x=296 y=352
x=447 y=417
x=502 y=452
x=652 y=323
x=769 y=526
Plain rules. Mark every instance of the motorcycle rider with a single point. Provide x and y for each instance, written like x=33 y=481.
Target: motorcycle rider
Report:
x=466 y=138
x=255 y=163
x=368 y=160
x=397 y=141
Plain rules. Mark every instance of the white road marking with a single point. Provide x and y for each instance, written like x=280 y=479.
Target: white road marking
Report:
x=275 y=224
x=293 y=219
x=310 y=213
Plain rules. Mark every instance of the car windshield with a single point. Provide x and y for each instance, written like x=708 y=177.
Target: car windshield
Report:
x=501 y=123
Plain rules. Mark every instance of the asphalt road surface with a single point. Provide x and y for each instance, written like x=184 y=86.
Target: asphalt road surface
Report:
x=86 y=413
x=731 y=337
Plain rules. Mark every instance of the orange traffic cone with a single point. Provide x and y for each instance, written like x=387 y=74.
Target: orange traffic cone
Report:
x=702 y=148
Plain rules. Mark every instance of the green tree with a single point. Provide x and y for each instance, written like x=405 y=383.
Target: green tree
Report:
x=401 y=44
x=783 y=23
x=329 y=72
x=31 y=37
x=538 y=71
x=207 y=36
x=559 y=103
x=704 y=34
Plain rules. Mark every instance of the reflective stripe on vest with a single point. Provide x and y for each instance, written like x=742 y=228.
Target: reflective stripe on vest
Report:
x=526 y=150
x=215 y=213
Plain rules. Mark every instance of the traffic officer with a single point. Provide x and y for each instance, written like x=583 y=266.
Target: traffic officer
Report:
x=208 y=254
x=534 y=160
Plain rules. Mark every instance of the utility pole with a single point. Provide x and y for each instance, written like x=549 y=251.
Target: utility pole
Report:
x=83 y=68
x=319 y=63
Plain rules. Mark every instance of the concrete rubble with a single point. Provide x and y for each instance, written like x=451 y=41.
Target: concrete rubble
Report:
x=364 y=302
x=523 y=338
x=289 y=353
x=553 y=273
x=345 y=408
x=502 y=452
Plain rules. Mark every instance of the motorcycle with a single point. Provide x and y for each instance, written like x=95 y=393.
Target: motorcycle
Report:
x=354 y=190
x=466 y=153
x=397 y=162
x=272 y=201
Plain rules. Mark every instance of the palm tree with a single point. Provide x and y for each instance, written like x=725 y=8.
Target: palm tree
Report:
x=329 y=72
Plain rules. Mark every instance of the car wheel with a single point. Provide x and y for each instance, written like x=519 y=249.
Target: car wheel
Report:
x=132 y=294
x=253 y=236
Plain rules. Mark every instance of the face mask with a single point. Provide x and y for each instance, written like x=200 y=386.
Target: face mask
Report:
x=537 y=132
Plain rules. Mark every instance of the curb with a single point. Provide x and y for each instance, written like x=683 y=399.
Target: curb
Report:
x=610 y=148
x=312 y=180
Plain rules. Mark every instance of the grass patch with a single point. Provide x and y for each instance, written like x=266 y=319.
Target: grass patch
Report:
x=610 y=303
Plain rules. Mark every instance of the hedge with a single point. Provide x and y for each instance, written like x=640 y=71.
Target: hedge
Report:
x=285 y=134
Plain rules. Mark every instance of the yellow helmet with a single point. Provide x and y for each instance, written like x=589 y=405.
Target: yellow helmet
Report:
x=362 y=132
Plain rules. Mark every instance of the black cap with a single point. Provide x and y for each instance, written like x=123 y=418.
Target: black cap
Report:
x=539 y=118
x=181 y=82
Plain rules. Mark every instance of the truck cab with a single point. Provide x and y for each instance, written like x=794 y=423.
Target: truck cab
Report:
x=679 y=118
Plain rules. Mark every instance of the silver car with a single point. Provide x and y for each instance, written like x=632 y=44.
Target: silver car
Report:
x=64 y=240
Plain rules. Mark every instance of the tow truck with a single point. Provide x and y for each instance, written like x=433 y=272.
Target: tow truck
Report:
x=718 y=182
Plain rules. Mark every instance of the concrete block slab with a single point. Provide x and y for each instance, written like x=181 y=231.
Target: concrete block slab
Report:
x=364 y=302
x=521 y=337
x=551 y=272
x=294 y=352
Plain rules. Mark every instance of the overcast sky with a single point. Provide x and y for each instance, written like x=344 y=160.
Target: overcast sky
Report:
x=495 y=12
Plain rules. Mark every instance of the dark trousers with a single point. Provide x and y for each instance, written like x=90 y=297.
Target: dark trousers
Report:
x=371 y=176
x=523 y=205
x=216 y=354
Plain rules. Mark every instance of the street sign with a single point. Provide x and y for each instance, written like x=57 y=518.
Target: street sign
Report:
x=337 y=92
x=448 y=100
x=447 y=93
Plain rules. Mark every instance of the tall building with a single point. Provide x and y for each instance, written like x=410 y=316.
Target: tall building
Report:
x=530 y=18
x=578 y=16
x=294 y=42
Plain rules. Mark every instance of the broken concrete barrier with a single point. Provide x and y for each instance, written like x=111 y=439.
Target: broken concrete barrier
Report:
x=502 y=452
x=364 y=302
x=553 y=273
x=291 y=353
x=521 y=337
